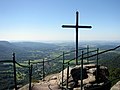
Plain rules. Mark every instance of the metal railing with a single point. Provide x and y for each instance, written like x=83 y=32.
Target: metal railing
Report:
x=61 y=62
x=82 y=57
x=14 y=63
x=31 y=65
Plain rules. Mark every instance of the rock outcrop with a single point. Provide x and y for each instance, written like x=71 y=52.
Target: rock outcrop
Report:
x=49 y=83
x=94 y=78
x=116 y=86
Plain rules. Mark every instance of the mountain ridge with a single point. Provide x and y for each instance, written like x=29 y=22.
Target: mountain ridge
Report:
x=22 y=49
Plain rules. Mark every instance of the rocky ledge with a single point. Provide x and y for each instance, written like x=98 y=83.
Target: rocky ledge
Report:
x=116 y=86
x=94 y=78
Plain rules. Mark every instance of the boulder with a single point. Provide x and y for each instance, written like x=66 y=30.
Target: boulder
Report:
x=64 y=75
x=93 y=76
x=116 y=86
x=76 y=74
x=101 y=74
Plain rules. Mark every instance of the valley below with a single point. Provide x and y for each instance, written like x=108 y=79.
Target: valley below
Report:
x=51 y=53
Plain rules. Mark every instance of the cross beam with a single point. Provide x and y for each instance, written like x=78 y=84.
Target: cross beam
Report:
x=72 y=26
x=76 y=27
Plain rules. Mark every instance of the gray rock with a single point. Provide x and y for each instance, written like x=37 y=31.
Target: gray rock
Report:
x=116 y=86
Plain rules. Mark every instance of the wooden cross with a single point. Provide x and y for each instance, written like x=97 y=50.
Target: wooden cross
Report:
x=76 y=26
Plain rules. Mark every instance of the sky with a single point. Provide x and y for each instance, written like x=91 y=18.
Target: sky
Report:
x=42 y=19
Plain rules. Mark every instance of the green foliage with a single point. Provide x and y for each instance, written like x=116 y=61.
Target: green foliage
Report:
x=114 y=75
x=20 y=76
x=112 y=61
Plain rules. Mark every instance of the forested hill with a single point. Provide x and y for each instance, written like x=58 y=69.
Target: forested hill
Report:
x=7 y=48
x=113 y=60
x=34 y=45
x=24 y=50
x=38 y=50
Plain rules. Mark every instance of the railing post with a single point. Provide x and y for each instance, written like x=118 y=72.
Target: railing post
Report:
x=43 y=70
x=67 y=74
x=82 y=71
x=97 y=65
x=87 y=54
x=14 y=66
x=30 y=73
x=63 y=70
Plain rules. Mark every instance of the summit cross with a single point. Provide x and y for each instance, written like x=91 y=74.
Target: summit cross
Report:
x=76 y=27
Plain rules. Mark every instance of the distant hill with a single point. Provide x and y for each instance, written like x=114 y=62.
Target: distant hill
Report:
x=38 y=50
x=7 y=48
x=23 y=50
x=34 y=45
x=111 y=60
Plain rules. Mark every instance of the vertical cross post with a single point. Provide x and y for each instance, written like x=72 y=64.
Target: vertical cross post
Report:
x=76 y=38
x=76 y=27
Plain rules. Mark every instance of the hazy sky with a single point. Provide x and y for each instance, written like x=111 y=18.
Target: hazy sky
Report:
x=42 y=19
